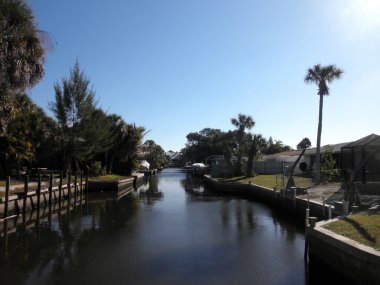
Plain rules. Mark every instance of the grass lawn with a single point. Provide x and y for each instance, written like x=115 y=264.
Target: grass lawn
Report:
x=269 y=181
x=13 y=182
x=362 y=228
x=109 y=177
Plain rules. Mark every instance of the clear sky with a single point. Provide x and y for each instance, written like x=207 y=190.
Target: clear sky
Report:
x=178 y=66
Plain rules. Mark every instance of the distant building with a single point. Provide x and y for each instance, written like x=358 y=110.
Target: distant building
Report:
x=218 y=165
x=170 y=153
x=176 y=159
x=144 y=165
x=214 y=159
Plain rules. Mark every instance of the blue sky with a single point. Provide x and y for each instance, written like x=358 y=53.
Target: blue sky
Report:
x=178 y=66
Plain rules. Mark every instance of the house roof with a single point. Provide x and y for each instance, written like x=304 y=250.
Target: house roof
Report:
x=370 y=140
x=284 y=153
x=336 y=147
x=177 y=156
x=308 y=152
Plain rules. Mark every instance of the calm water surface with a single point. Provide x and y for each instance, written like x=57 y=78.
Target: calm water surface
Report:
x=169 y=231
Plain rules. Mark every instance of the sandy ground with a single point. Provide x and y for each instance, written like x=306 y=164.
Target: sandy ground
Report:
x=333 y=192
x=328 y=190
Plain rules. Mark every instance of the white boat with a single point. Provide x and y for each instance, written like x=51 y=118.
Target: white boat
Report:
x=198 y=166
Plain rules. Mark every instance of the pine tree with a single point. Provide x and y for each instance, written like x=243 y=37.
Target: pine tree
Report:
x=83 y=128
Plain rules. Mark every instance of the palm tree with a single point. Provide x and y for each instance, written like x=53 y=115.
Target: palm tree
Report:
x=321 y=75
x=22 y=55
x=119 y=129
x=304 y=143
x=257 y=144
x=242 y=122
x=130 y=147
x=21 y=47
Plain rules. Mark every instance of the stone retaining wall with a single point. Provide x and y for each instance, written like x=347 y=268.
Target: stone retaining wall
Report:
x=286 y=201
x=355 y=261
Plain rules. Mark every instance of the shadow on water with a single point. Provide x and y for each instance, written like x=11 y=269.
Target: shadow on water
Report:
x=245 y=216
x=52 y=246
x=169 y=230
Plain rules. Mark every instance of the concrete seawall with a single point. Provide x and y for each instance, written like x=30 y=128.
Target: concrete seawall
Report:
x=287 y=201
x=115 y=185
x=356 y=262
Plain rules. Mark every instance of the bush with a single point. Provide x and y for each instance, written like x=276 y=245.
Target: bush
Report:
x=328 y=166
x=96 y=168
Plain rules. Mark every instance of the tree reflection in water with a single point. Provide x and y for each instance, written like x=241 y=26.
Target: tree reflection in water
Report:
x=239 y=211
x=149 y=193
x=190 y=237
x=51 y=246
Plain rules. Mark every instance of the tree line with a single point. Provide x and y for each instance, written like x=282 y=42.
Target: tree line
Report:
x=81 y=135
x=233 y=145
x=238 y=142
x=81 y=132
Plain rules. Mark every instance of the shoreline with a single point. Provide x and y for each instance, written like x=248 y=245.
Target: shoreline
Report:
x=353 y=260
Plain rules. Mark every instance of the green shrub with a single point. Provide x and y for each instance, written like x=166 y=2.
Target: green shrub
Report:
x=328 y=165
x=96 y=168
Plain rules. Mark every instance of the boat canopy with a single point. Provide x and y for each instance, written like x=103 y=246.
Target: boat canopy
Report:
x=198 y=165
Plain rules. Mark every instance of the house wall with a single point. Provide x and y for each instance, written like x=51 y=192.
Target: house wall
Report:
x=269 y=167
x=220 y=169
x=259 y=167
x=275 y=166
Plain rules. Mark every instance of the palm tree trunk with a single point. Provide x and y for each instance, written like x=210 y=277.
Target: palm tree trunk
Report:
x=318 y=150
x=227 y=159
x=110 y=163
x=251 y=155
x=239 y=164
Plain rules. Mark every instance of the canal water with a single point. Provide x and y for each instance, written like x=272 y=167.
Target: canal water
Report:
x=169 y=231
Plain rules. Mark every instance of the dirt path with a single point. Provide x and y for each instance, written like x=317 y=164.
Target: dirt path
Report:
x=333 y=192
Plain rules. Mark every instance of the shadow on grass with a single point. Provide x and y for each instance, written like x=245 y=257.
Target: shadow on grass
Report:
x=360 y=230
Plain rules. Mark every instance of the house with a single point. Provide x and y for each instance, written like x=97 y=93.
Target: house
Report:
x=215 y=159
x=362 y=156
x=278 y=162
x=218 y=165
x=308 y=160
x=337 y=149
x=176 y=159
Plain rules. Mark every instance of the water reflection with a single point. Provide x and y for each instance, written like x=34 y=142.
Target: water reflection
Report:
x=240 y=212
x=52 y=245
x=149 y=193
x=170 y=230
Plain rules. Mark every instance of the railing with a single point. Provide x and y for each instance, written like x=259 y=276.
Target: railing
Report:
x=31 y=200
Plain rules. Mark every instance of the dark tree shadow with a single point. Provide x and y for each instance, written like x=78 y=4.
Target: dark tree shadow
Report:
x=361 y=230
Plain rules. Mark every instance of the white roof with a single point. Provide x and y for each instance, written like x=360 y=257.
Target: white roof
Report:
x=144 y=163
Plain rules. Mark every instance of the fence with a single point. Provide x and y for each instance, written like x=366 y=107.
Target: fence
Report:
x=69 y=194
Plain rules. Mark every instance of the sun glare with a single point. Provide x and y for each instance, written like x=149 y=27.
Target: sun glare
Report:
x=361 y=16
